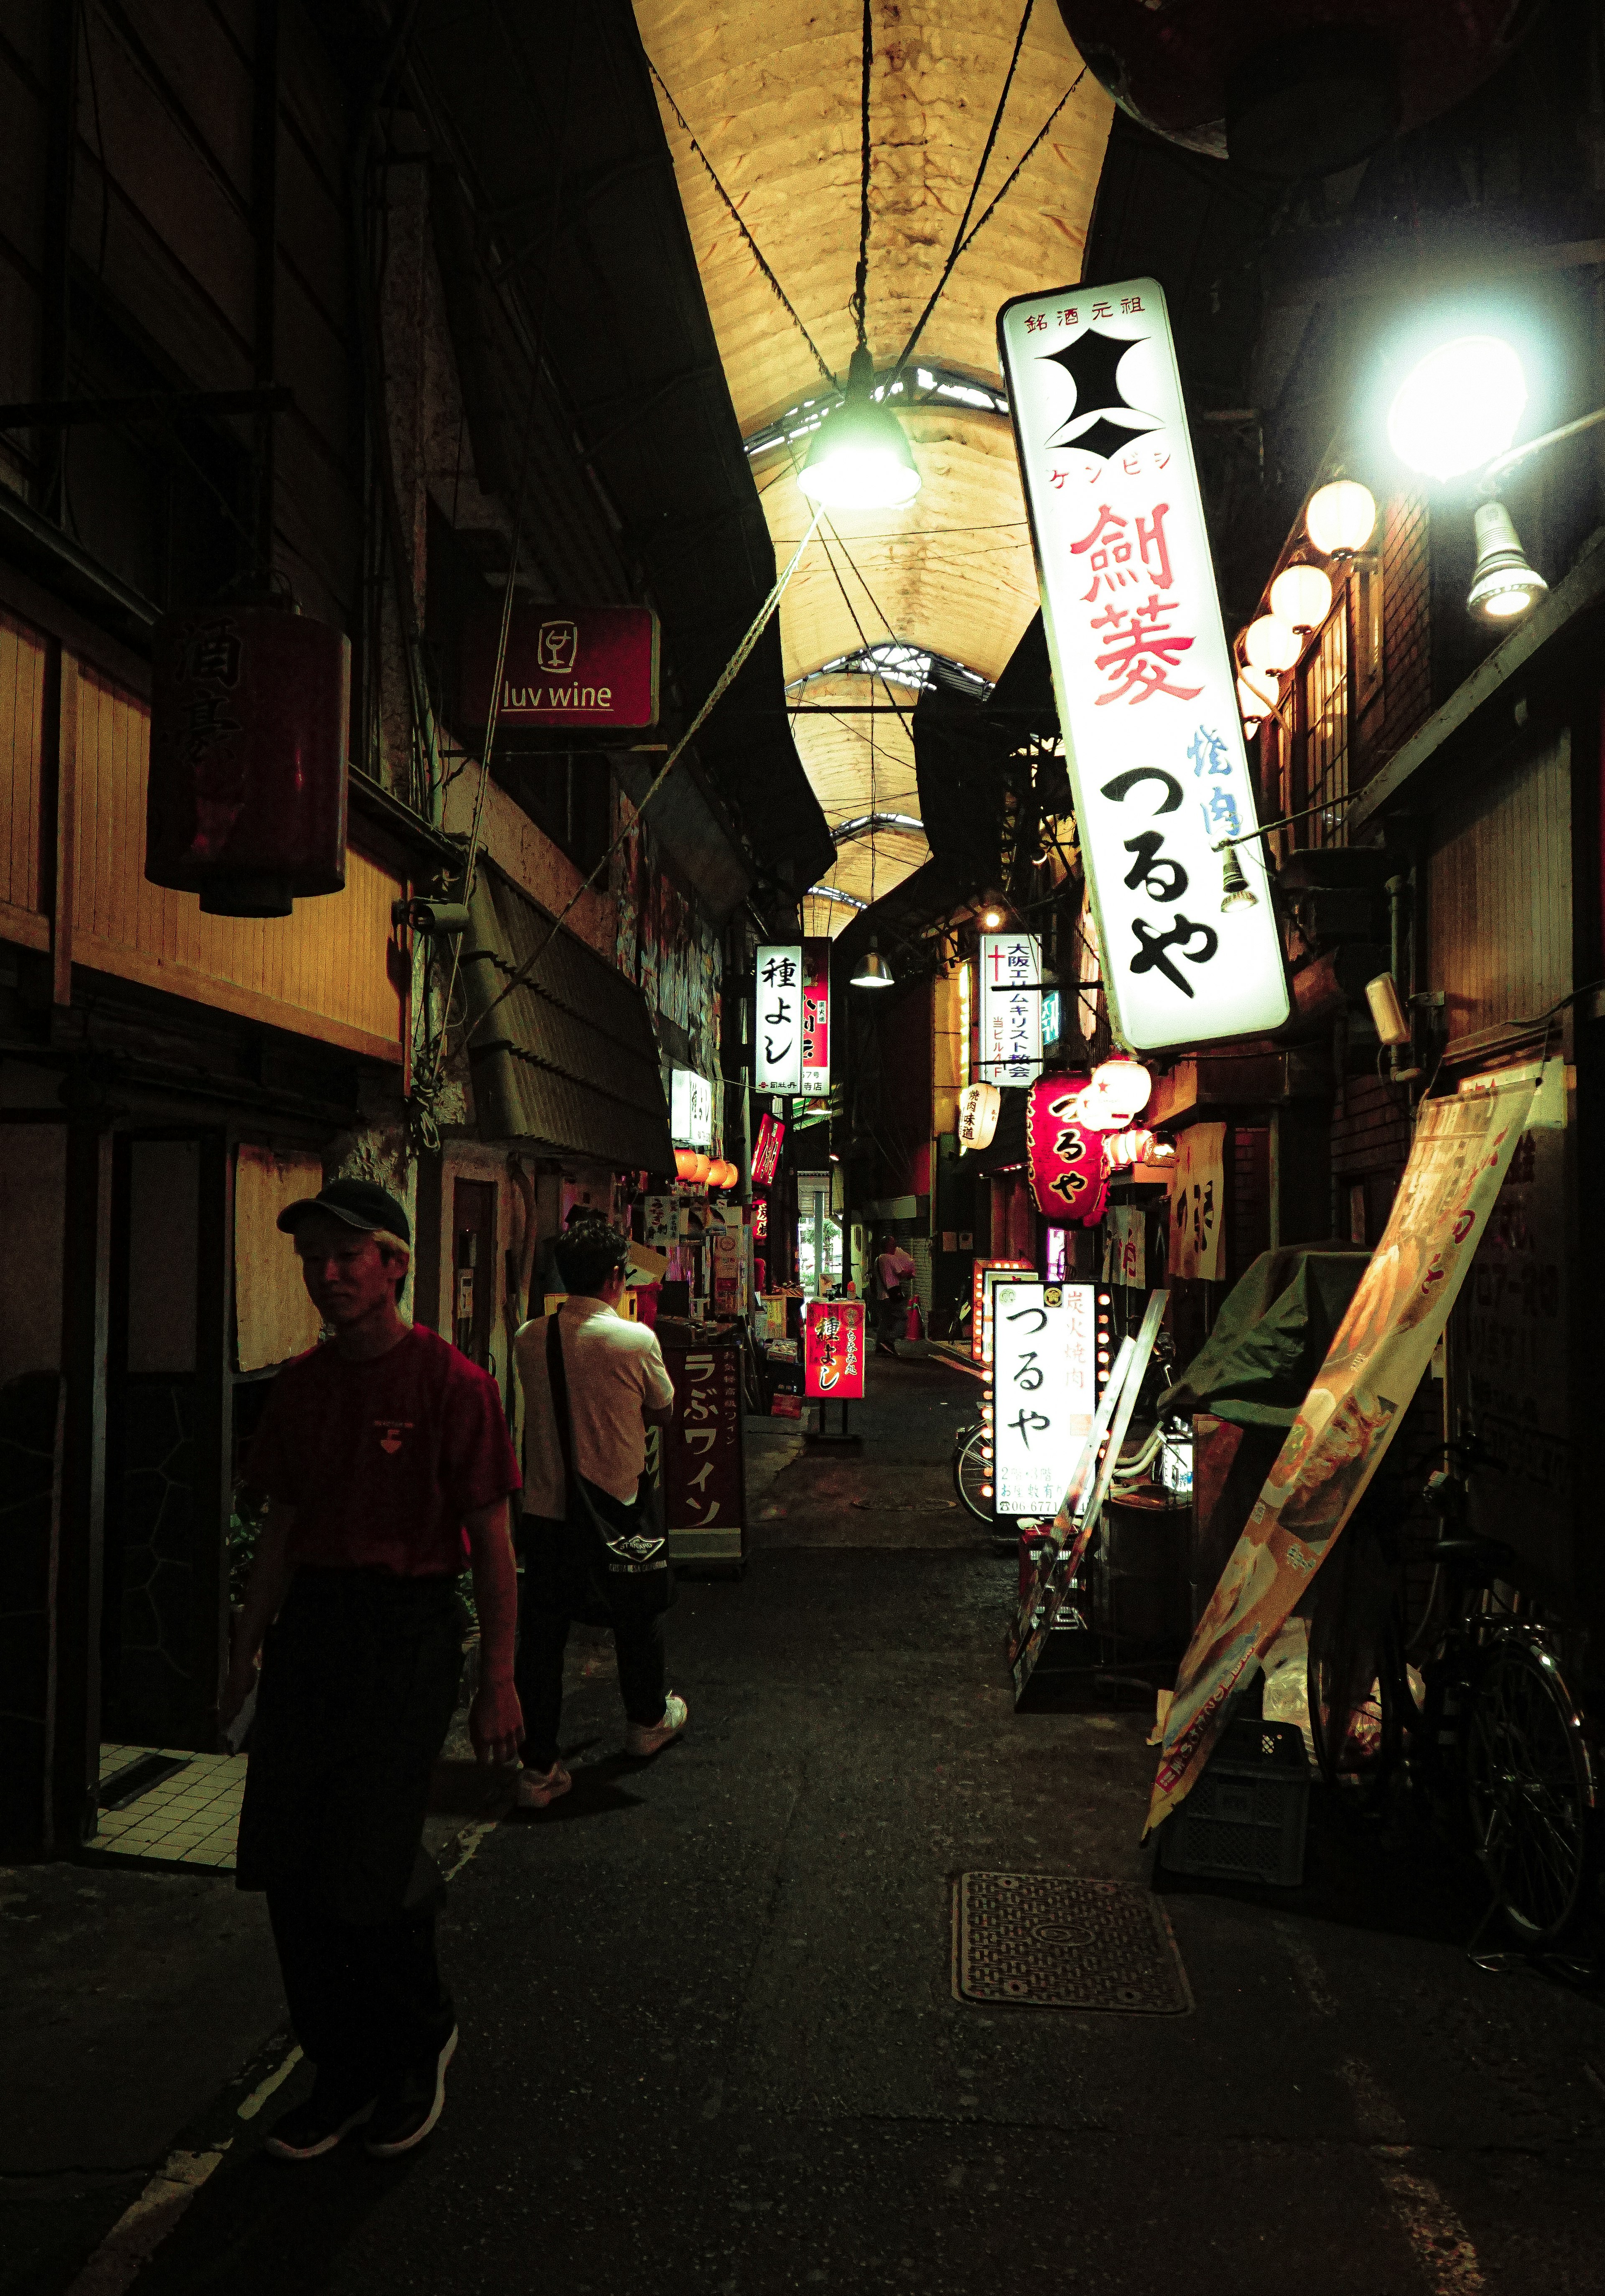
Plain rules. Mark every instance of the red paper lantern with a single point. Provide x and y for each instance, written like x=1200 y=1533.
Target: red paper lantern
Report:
x=685 y=1163
x=701 y=1165
x=1065 y=1155
x=1298 y=88
x=246 y=804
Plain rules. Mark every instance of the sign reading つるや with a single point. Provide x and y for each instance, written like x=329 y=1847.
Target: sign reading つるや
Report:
x=1145 y=684
x=1044 y=1390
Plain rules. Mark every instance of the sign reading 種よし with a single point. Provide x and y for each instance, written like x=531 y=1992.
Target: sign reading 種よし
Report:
x=1146 y=687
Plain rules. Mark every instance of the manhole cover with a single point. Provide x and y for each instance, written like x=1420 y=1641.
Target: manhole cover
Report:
x=1058 y=1944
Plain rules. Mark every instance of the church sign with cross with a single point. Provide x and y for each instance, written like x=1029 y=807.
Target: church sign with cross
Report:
x=1144 y=680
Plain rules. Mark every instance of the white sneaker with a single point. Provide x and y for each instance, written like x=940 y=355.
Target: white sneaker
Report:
x=537 y=1787
x=642 y=1740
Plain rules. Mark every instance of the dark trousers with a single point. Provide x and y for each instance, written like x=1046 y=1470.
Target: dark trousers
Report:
x=893 y=1320
x=542 y=1638
x=365 y=2000
x=359 y=1680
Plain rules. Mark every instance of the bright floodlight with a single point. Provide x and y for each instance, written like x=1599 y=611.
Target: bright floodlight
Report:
x=860 y=459
x=1459 y=407
x=1503 y=585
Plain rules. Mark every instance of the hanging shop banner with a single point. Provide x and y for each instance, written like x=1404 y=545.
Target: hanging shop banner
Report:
x=1011 y=1007
x=778 y=1015
x=983 y=1274
x=1198 y=1196
x=1065 y=1153
x=1044 y=1390
x=1145 y=683
x=766 y=1153
x=690 y=1109
x=979 y=1108
x=816 y=1019
x=1463 y=1148
x=702 y=1479
x=1125 y=1246
x=833 y=1351
x=564 y=666
x=659 y=1222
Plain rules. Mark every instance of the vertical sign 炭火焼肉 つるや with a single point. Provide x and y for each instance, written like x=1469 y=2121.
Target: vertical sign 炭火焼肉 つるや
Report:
x=1044 y=1390
x=1147 y=689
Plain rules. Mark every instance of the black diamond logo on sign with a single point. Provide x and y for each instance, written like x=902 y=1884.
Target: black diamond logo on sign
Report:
x=1092 y=363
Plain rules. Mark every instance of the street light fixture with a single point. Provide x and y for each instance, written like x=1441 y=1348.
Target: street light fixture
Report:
x=1458 y=407
x=1504 y=585
x=873 y=971
x=860 y=458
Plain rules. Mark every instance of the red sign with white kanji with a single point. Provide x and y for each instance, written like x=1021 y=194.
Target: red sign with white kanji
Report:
x=833 y=1351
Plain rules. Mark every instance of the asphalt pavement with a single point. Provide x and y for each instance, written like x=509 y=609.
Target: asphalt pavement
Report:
x=709 y=2036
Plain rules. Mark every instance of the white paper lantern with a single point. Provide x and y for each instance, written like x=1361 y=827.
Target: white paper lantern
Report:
x=979 y=1107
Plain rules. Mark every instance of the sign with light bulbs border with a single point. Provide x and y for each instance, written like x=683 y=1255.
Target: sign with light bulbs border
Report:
x=1144 y=680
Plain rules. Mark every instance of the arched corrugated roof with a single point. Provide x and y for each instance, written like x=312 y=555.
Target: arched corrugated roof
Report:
x=771 y=95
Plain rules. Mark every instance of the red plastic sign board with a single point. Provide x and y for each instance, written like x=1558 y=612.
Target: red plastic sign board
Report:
x=565 y=666
x=833 y=1351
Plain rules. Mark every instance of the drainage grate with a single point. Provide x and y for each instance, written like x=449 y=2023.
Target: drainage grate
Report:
x=138 y=1778
x=1053 y=1943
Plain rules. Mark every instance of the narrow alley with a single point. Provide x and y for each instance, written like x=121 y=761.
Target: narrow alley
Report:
x=710 y=2045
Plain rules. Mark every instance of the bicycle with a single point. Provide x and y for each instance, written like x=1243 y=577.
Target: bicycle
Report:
x=1487 y=1729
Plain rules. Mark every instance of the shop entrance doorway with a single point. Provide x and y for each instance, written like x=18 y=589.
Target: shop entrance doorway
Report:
x=474 y=1268
x=164 y=1594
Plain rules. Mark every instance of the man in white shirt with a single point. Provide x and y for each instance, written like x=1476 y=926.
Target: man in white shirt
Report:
x=617 y=1386
x=893 y=1268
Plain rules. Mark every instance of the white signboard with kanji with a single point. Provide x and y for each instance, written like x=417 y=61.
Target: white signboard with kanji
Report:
x=778 y=1018
x=1044 y=1390
x=1145 y=683
x=690 y=1109
x=1010 y=1008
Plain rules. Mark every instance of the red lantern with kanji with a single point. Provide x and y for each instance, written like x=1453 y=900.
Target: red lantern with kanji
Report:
x=1066 y=1154
x=246 y=804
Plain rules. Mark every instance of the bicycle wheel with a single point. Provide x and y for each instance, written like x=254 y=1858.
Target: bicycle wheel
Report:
x=1530 y=1791
x=972 y=1474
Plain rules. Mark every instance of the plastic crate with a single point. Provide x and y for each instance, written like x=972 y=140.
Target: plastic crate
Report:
x=1245 y=1819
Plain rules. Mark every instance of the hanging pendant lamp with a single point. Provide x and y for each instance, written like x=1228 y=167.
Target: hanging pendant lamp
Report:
x=860 y=458
x=873 y=971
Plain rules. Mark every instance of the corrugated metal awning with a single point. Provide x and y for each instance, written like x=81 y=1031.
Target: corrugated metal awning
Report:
x=568 y=1062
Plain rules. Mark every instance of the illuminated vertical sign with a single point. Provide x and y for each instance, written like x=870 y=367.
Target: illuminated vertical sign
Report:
x=1044 y=1390
x=690 y=1109
x=1010 y=1008
x=833 y=1351
x=1145 y=684
x=816 y=1019
x=778 y=1018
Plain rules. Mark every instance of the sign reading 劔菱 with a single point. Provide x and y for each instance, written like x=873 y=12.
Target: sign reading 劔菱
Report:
x=564 y=666
x=778 y=1018
x=1010 y=1008
x=1145 y=685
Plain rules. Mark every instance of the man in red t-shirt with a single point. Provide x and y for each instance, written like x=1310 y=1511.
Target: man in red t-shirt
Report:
x=385 y=1457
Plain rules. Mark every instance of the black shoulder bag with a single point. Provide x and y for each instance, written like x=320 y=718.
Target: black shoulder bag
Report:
x=613 y=1560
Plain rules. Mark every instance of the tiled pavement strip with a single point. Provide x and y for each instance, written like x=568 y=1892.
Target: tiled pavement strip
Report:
x=191 y=1818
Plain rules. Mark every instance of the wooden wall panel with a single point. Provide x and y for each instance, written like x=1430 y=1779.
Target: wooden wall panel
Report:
x=22 y=664
x=1499 y=916
x=322 y=972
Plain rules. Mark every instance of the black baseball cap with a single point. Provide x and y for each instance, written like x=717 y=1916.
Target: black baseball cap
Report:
x=360 y=1203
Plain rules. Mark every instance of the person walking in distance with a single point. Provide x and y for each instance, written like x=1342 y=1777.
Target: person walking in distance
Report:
x=592 y=1543
x=385 y=1458
x=893 y=1268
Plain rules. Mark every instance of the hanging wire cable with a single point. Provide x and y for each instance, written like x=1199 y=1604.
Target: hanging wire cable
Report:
x=727 y=675
x=861 y=276
x=975 y=193
x=961 y=247
x=755 y=251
